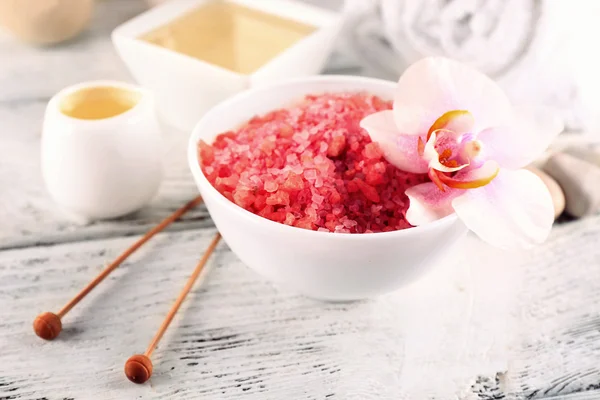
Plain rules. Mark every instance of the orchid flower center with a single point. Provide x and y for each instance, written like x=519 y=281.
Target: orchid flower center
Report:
x=472 y=148
x=450 y=147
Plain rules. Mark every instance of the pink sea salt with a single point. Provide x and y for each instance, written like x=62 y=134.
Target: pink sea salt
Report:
x=313 y=167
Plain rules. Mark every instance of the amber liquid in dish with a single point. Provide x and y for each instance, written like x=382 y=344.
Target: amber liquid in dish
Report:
x=231 y=36
x=99 y=102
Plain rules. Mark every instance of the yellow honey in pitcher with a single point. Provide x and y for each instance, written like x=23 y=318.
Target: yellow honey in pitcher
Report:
x=99 y=102
x=231 y=36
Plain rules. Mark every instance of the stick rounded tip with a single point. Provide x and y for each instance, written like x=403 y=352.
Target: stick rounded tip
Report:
x=47 y=325
x=138 y=368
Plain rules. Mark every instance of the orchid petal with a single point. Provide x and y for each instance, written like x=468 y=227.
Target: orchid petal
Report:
x=514 y=211
x=435 y=85
x=421 y=146
x=473 y=178
x=448 y=142
x=520 y=144
x=428 y=203
x=400 y=150
x=435 y=178
x=459 y=121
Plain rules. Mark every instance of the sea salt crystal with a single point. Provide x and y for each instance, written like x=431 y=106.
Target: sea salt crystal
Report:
x=289 y=219
x=349 y=223
x=341 y=229
x=311 y=166
x=317 y=199
x=301 y=147
x=398 y=200
x=278 y=198
x=304 y=135
x=256 y=180
x=310 y=174
x=225 y=158
x=271 y=186
x=372 y=151
x=319 y=159
x=375 y=208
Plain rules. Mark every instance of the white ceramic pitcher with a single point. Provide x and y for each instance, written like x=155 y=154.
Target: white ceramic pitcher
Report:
x=101 y=149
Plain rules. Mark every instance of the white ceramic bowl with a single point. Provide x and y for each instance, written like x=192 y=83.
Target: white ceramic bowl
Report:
x=329 y=266
x=186 y=87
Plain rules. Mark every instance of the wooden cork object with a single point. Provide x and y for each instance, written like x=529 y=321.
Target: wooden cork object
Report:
x=138 y=368
x=47 y=325
x=45 y=22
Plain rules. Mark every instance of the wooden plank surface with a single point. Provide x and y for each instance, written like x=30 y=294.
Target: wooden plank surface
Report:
x=239 y=337
x=558 y=320
x=236 y=335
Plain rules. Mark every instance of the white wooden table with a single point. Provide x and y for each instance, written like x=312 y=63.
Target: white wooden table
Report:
x=495 y=326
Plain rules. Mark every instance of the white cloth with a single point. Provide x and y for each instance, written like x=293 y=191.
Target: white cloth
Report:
x=540 y=51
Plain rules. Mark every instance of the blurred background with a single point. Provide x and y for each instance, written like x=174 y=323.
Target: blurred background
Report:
x=540 y=51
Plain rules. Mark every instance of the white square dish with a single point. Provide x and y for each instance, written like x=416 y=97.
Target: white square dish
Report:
x=186 y=87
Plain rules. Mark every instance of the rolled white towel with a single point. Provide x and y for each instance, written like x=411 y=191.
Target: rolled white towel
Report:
x=538 y=51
